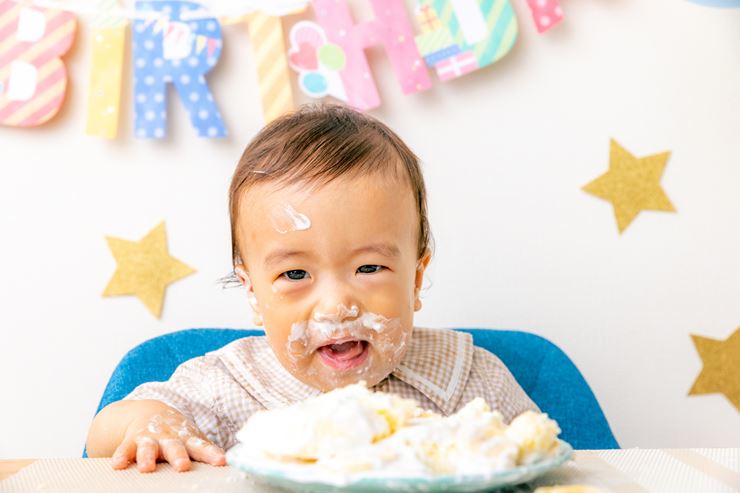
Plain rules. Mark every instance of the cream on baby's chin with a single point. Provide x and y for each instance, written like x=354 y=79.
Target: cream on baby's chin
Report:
x=378 y=344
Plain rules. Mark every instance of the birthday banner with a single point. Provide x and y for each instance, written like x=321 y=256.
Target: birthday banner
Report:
x=179 y=42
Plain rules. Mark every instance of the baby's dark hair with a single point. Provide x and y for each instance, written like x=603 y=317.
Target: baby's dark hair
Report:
x=318 y=143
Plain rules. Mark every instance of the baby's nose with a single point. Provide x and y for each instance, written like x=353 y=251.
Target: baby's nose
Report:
x=340 y=313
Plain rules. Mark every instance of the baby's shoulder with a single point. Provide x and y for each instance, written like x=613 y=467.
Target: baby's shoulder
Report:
x=431 y=338
x=220 y=363
x=491 y=379
x=456 y=341
x=238 y=346
x=488 y=362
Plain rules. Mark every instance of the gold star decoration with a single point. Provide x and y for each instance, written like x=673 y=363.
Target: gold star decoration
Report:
x=721 y=372
x=631 y=184
x=145 y=268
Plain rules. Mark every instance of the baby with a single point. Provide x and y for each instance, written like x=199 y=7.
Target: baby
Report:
x=330 y=238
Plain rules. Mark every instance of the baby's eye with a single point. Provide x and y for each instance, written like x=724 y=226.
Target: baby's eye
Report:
x=295 y=275
x=369 y=269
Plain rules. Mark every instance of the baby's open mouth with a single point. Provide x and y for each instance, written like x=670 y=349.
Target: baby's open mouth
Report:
x=344 y=354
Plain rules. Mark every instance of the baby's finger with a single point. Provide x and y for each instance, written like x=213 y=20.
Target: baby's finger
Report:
x=124 y=454
x=204 y=451
x=174 y=452
x=146 y=454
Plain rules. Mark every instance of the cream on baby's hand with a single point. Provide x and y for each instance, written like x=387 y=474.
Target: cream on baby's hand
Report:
x=170 y=437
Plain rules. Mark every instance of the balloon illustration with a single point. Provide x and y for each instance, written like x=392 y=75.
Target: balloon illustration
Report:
x=317 y=62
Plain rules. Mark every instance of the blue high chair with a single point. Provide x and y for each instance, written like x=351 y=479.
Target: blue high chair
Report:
x=543 y=370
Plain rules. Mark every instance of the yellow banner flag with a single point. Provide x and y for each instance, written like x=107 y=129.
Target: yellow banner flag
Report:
x=200 y=43
x=160 y=24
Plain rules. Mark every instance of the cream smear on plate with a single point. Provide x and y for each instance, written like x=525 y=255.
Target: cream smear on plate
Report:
x=352 y=432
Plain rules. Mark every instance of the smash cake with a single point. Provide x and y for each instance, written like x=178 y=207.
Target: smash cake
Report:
x=352 y=433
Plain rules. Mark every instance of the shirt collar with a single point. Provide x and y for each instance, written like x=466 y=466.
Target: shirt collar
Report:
x=253 y=364
x=437 y=364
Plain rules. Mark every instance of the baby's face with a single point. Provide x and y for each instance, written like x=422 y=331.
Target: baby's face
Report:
x=334 y=275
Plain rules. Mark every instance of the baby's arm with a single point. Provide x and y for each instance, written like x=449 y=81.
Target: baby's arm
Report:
x=147 y=430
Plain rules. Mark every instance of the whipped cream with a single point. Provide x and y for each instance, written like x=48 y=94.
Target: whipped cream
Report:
x=352 y=432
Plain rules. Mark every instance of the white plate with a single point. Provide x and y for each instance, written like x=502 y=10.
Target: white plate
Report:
x=293 y=479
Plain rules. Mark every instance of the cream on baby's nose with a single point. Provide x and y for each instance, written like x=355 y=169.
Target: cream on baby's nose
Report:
x=342 y=313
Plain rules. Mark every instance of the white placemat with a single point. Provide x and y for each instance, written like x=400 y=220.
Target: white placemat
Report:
x=97 y=476
x=613 y=471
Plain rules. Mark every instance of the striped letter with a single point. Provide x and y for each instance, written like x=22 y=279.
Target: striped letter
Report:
x=33 y=79
x=266 y=36
x=460 y=36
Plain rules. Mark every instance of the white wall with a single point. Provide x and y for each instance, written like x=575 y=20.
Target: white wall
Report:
x=519 y=245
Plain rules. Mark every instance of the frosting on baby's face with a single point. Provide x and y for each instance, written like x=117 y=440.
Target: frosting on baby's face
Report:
x=332 y=272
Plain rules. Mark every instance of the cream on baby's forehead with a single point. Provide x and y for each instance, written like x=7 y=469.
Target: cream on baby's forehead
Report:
x=374 y=204
x=285 y=219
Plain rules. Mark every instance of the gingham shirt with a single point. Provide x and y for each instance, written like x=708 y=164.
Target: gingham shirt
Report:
x=442 y=370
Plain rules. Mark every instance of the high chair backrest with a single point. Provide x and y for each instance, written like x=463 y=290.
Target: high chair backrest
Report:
x=544 y=371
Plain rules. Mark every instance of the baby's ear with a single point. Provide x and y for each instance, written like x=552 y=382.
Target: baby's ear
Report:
x=243 y=276
x=421 y=266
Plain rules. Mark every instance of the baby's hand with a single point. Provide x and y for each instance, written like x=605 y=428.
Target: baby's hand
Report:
x=170 y=437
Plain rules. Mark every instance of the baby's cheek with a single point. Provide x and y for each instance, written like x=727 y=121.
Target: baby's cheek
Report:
x=392 y=299
x=281 y=344
x=278 y=319
x=391 y=344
